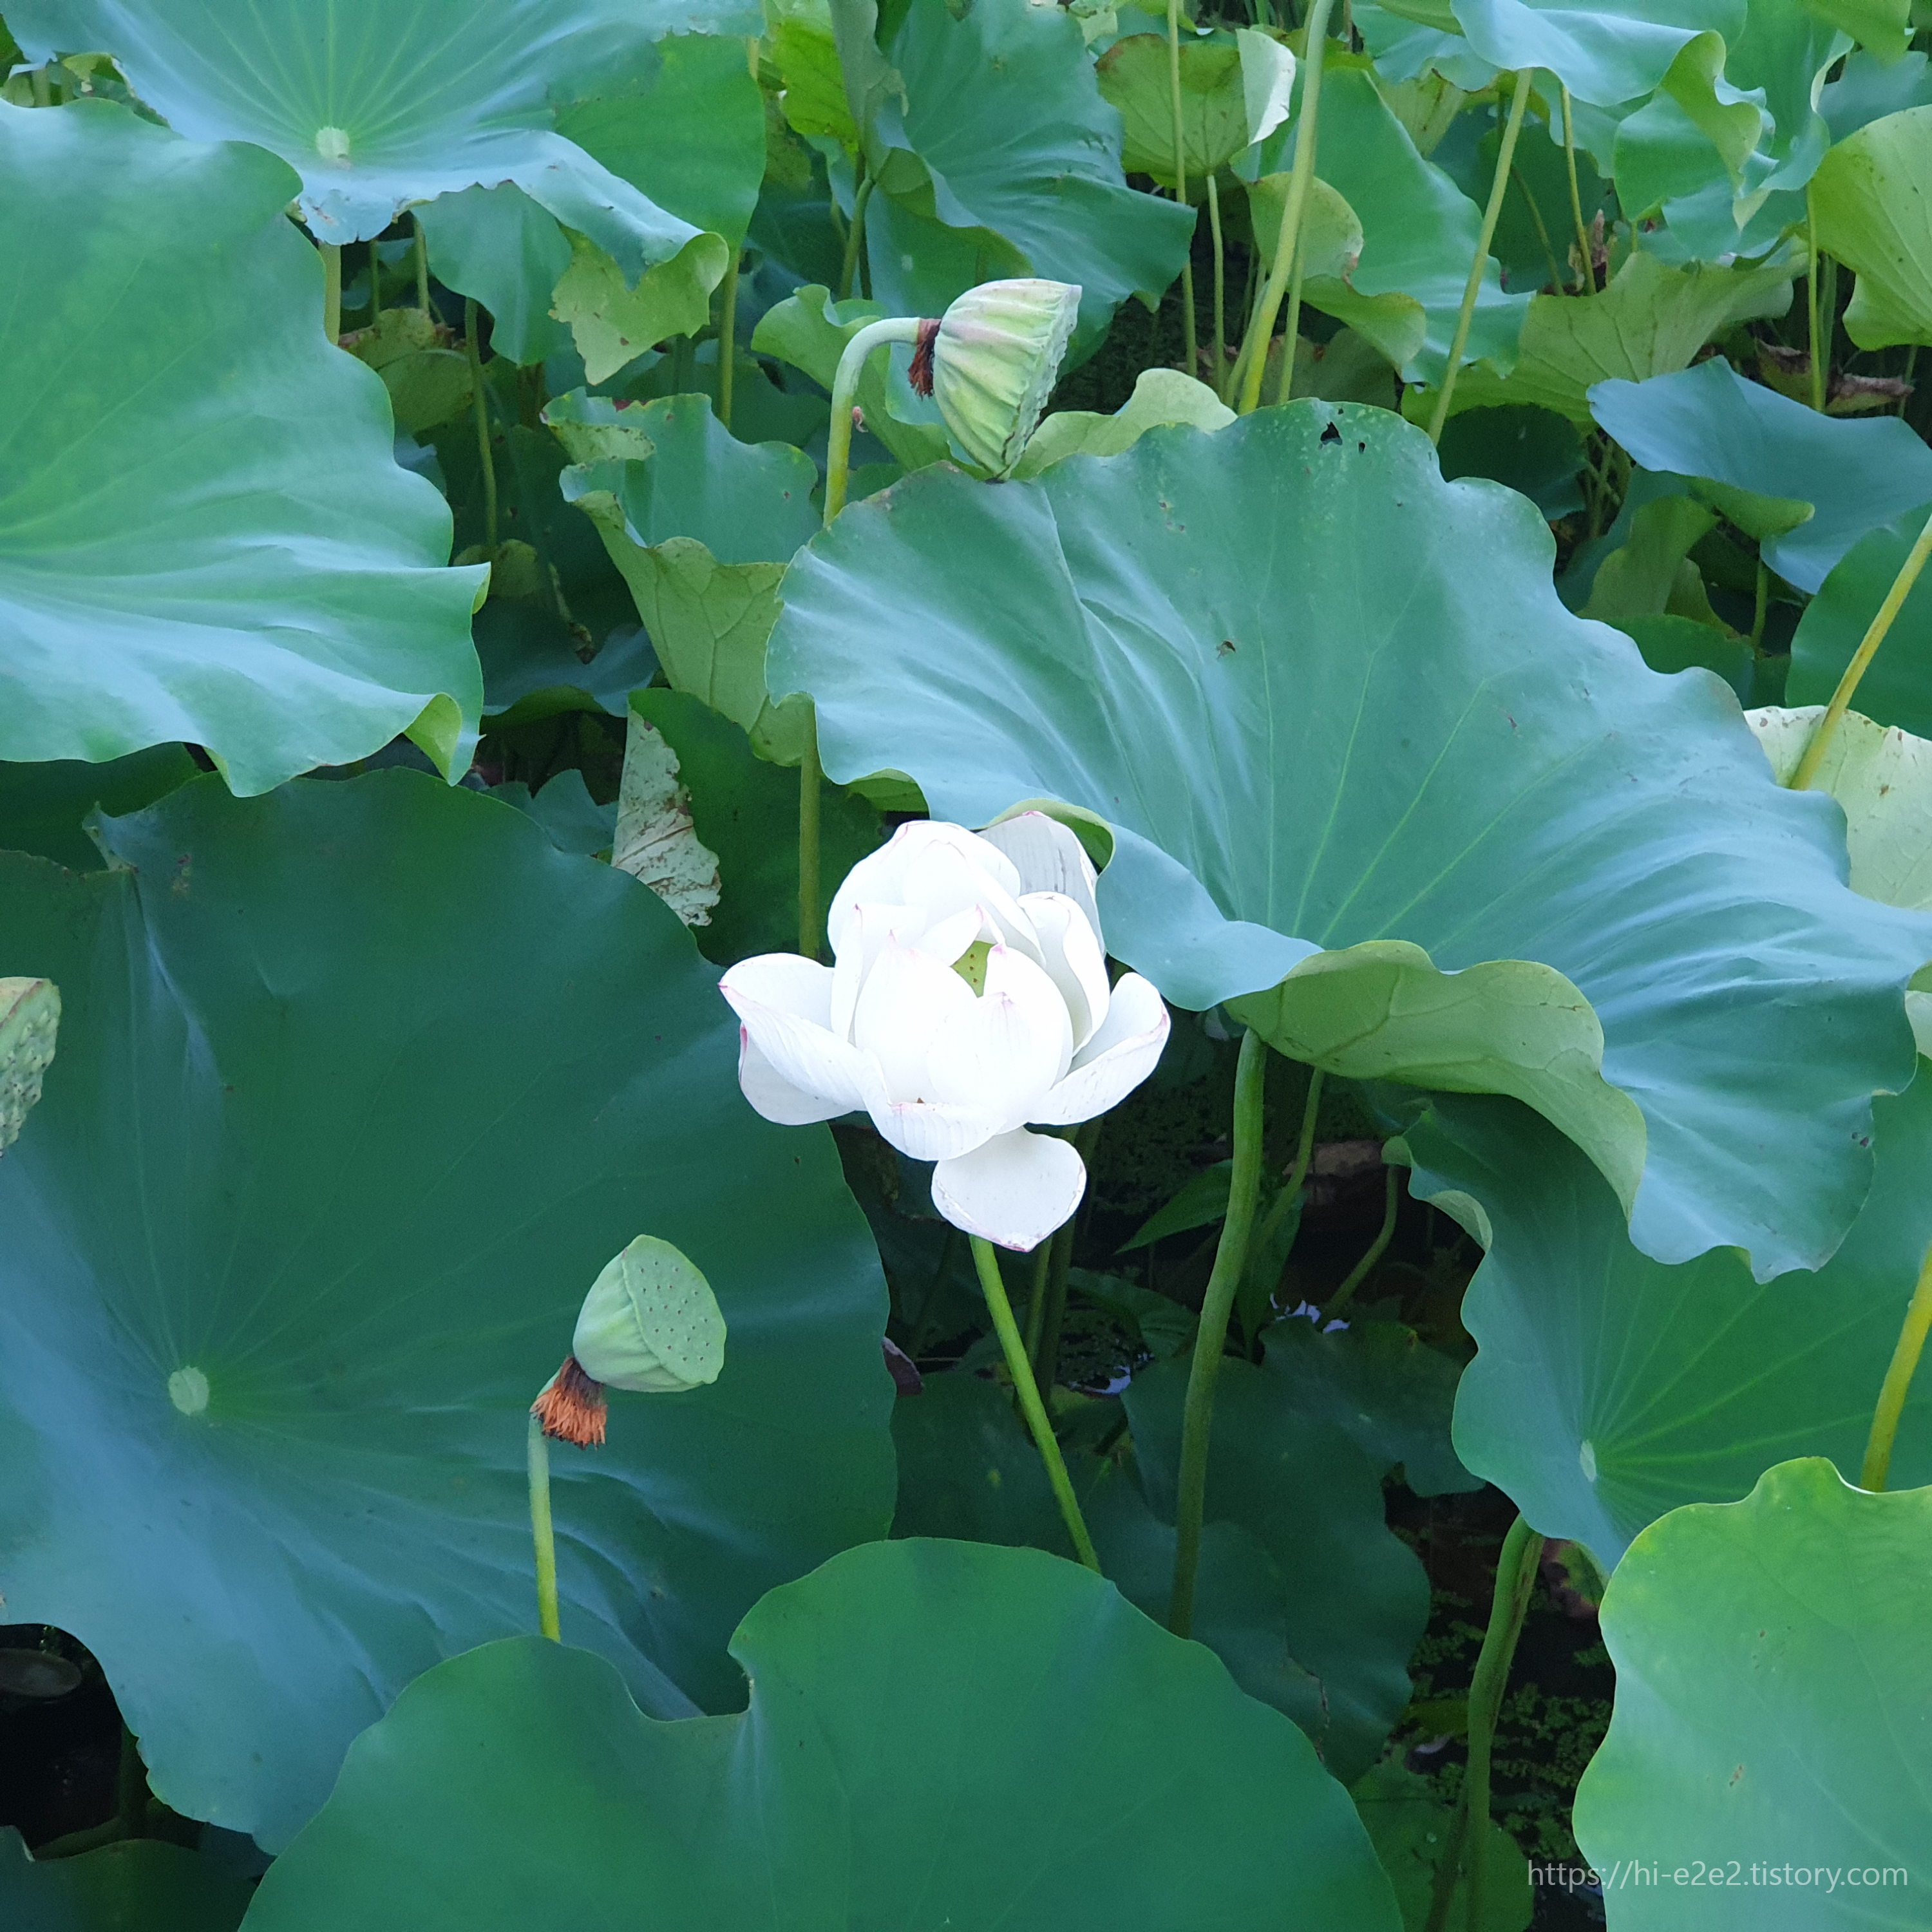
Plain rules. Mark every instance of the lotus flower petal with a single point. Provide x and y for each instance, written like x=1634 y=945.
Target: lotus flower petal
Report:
x=1005 y=1050
x=907 y=999
x=783 y=1002
x=934 y=1130
x=1071 y=952
x=1115 y=1060
x=1014 y=1191
x=1049 y=858
x=907 y=871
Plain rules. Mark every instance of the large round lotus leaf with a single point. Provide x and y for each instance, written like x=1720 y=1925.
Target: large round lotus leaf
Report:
x=203 y=534
x=1869 y=196
x=940 y=1734
x=1768 y=1768
x=360 y=1086
x=138 y=1886
x=1003 y=130
x=378 y=104
x=1604 y=52
x=1320 y=692
x=1608 y=1388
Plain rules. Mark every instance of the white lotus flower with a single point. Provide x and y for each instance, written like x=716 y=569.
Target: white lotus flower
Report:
x=969 y=996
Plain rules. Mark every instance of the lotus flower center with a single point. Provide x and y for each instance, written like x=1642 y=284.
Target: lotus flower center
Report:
x=332 y=143
x=188 y=1390
x=971 y=966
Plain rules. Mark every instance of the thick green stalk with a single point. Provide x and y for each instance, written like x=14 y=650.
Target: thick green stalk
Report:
x=1220 y=286
x=1802 y=779
x=542 y=1533
x=422 y=266
x=1254 y=344
x=1811 y=301
x=1014 y=1349
x=810 y=924
x=855 y=235
x=331 y=290
x=1359 y=1272
x=844 y=388
x=1898 y=1382
x=1516 y=1577
x=1191 y=362
x=480 y=393
x=1586 y=268
x=727 y=339
x=1210 y=1337
x=1499 y=187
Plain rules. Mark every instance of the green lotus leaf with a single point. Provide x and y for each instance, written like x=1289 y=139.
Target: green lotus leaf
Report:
x=1608 y=1388
x=1652 y=320
x=1763 y=458
x=1533 y=450
x=1870 y=198
x=1410 y=1827
x=1604 y=54
x=1161 y=396
x=1329 y=701
x=1418 y=237
x=497 y=245
x=1233 y=93
x=1001 y=159
x=203 y=534
x=1772 y=1681
x=376 y=107
x=702 y=528
x=139 y=1885
x=287 y=1259
x=1867 y=89
x=43 y=808
x=901 y=1697
x=1314 y=1605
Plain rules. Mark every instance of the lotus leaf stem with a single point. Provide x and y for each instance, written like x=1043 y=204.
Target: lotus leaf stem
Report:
x=1806 y=773
x=1189 y=352
x=421 y=252
x=1220 y=286
x=1898 y=1382
x=1586 y=267
x=1542 y=228
x=855 y=235
x=1253 y=364
x=331 y=290
x=1361 y=1272
x=480 y=396
x=844 y=388
x=811 y=928
x=727 y=339
x=1499 y=187
x=1516 y=1577
x=1297 y=1173
x=1210 y=1337
x=1014 y=1349
x=542 y=1534
x=1811 y=300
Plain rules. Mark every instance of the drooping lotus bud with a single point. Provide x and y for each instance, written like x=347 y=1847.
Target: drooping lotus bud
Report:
x=992 y=358
x=29 y=1018
x=650 y=1322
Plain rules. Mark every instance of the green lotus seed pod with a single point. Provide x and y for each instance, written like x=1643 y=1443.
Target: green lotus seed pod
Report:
x=650 y=1322
x=29 y=1018
x=994 y=356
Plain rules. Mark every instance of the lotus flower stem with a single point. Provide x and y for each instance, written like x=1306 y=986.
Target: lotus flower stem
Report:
x=1189 y=352
x=331 y=290
x=1586 y=268
x=855 y=235
x=1516 y=1576
x=542 y=1534
x=810 y=924
x=1499 y=187
x=480 y=394
x=1806 y=773
x=1898 y=1382
x=1211 y=1337
x=844 y=388
x=727 y=338
x=1359 y=1272
x=1017 y=1366
x=1254 y=344
x=421 y=250
x=1220 y=287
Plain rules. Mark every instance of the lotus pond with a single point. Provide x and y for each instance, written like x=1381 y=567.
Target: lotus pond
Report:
x=960 y=964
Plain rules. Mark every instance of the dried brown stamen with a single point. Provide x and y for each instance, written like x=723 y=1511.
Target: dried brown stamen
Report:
x=572 y=1409
x=920 y=373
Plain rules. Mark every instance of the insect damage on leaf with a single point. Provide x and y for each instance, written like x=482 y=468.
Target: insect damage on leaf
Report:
x=656 y=841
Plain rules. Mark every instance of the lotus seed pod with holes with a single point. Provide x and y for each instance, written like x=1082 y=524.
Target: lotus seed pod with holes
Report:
x=29 y=1018
x=650 y=1322
x=994 y=360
